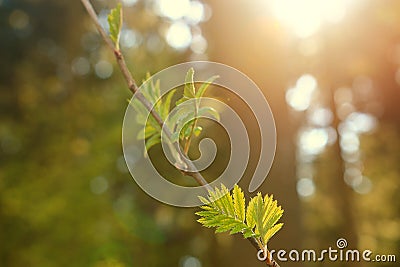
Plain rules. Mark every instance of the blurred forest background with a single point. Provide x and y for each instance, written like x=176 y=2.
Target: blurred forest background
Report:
x=329 y=69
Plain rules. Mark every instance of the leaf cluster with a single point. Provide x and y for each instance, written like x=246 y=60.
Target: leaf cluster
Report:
x=182 y=122
x=186 y=120
x=227 y=212
x=151 y=130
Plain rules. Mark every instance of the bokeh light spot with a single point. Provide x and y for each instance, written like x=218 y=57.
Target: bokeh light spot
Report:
x=321 y=117
x=305 y=187
x=195 y=12
x=130 y=38
x=80 y=66
x=299 y=97
x=362 y=122
x=190 y=261
x=353 y=176
x=18 y=19
x=103 y=69
x=98 y=185
x=179 y=35
x=349 y=142
x=199 y=44
x=313 y=141
x=364 y=187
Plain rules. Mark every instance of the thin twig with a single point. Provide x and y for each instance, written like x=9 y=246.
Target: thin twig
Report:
x=132 y=85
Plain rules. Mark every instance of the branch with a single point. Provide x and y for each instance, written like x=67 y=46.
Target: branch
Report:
x=132 y=85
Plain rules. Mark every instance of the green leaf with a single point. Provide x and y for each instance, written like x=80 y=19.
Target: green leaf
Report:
x=147 y=132
x=197 y=130
x=250 y=213
x=239 y=203
x=272 y=231
x=189 y=89
x=152 y=141
x=204 y=86
x=219 y=212
x=228 y=213
x=166 y=106
x=203 y=111
x=259 y=214
x=187 y=130
x=115 y=24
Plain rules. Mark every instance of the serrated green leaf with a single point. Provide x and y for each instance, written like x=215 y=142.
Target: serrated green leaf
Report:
x=272 y=231
x=239 y=203
x=250 y=213
x=227 y=213
x=259 y=214
x=204 y=201
x=228 y=201
x=204 y=86
x=219 y=212
x=115 y=24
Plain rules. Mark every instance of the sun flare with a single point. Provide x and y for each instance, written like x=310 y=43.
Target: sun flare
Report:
x=305 y=17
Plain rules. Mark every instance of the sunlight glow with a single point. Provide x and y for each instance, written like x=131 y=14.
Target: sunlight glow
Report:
x=305 y=17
